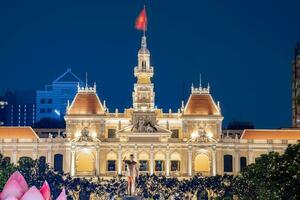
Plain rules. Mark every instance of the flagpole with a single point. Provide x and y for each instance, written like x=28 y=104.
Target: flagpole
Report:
x=145 y=22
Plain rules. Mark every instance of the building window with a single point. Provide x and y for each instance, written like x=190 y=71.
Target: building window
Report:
x=42 y=110
x=111 y=165
x=58 y=162
x=50 y=101
x=243 y=163
x=159 y=165
x=175 y=165
x=111 y=133
x=175 y=133
x=144 y=165
x=43 y=101
x=227 y=163
x=49 y=110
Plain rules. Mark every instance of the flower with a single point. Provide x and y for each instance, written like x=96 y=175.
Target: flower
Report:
x=16 y=188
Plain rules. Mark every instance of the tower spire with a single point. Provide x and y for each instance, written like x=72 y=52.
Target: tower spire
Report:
x=86 y=79
x=200 y=81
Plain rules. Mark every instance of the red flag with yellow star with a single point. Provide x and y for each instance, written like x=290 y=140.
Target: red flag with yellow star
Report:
x=141 y=21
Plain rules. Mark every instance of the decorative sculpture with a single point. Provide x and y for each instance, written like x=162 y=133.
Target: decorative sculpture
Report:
x=143 y=124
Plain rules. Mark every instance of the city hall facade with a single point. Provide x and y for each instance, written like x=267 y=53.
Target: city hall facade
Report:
x=182 y=143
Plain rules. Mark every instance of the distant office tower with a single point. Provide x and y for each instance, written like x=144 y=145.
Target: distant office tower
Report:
x=2 y=112
x=52 y=102
x=20 y=108
x=296 y=87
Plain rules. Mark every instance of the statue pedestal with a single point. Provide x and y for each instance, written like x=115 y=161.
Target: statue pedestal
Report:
x=132 y=198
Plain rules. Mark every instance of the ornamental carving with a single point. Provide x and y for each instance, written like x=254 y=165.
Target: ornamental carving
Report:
x=143 y=124
x=85 y=136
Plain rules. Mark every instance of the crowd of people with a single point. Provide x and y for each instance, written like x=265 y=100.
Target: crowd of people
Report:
x=162 y=188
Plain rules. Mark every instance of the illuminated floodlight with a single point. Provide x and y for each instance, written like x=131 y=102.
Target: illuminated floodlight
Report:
x=57 y=112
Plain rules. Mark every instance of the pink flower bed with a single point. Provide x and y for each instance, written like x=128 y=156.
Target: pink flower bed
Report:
x=16 y=188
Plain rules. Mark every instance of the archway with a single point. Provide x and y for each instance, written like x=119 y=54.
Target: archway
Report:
x=85 y=163
x=201 y=164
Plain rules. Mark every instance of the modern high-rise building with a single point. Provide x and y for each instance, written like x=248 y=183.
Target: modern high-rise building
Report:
x=52 y=102
x=296 y=87
x=2 y=112
x=19 y=109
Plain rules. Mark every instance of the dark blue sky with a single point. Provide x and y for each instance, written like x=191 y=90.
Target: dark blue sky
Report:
x=243 y=48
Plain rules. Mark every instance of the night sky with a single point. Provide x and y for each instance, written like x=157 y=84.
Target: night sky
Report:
x=244 y=49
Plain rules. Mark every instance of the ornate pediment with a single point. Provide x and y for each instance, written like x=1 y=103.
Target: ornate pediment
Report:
x=200 y=136
x=144 y=124
x=85 y=136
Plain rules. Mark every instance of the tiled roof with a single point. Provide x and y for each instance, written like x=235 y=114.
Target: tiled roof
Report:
x=17 y=132
x=269 y=134
x=201 y=104
x=86 y=104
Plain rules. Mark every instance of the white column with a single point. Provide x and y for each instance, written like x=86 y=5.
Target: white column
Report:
x=34 y=154
x=151 y=160
x=214 y=163
x=120 y=160
x=168 y=161
x=135 y=154
x=237 y=161
x=190 y=163
x=250 y=156
x=73 y=160
x=49 y=157
x=14 y=155
x=97 y=161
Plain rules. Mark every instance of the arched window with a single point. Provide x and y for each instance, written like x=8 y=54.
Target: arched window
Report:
x=175 y=162
x=243 y=163
x=58 y=162
x=144 y=158
x=227 y=163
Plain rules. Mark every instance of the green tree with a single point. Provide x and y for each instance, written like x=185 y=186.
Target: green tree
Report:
x=272 y=176
x=6 y=169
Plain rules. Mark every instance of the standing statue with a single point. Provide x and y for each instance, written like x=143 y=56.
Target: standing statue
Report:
x=132 y=174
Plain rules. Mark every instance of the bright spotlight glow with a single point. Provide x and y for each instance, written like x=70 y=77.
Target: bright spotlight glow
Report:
x=86 y=150
x=209 y=134
x=94 y=134
x=77 y=134
x=194 y=135
x=57 y=112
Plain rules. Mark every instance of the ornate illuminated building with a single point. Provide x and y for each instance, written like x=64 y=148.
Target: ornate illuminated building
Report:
x=180 y=143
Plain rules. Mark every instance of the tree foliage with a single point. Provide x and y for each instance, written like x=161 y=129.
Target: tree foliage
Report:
x=272 y=176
